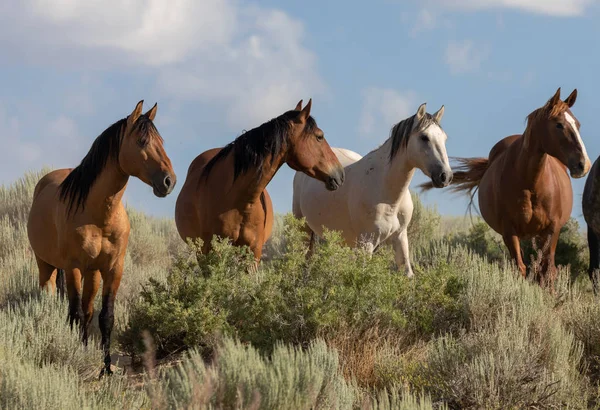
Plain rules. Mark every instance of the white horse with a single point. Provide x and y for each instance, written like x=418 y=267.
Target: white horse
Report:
x=374 y=206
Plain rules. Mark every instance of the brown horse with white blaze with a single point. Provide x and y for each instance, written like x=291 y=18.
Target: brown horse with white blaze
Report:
x=225 y=193
x=524 y=189
x=78 y=223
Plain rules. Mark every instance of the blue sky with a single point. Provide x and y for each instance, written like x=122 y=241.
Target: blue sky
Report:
x=216 y=67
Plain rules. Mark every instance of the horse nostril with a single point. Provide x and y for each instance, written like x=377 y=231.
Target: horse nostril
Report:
x=443 y=177
x=581 y=165
x=167 y=181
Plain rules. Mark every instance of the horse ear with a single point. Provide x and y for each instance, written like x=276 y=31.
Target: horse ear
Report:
x=152 y=112
x=438 y=115
x=137 y=111
x=305 y=113
x=298 y=106
x=421 y=111
x=570 y=101
x=555 y=98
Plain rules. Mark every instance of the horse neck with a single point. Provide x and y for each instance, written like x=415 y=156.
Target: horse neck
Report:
x=254 y=182
x=396 y=175
x=532 y=158
x=107 y=191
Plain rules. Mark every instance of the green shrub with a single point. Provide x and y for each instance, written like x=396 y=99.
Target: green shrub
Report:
x=291 y=298
x=240 y=378
x=425 y=224
x=25 y=385
x=571 y=249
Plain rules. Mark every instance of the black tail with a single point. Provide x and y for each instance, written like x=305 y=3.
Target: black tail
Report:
x=61 y=283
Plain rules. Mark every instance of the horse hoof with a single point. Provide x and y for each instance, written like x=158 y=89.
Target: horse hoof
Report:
x=106 y=371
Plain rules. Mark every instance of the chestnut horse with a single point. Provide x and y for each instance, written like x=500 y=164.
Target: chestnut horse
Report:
x=225 y=193
x=524 y=188
x=78 y=223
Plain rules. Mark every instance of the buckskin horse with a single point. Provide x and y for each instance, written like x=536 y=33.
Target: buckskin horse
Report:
x=225 y=194
x=78 y=223
x=374 y=206
x=524 y=188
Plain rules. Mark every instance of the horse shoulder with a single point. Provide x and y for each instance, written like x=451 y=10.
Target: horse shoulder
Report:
x=269 y=216
x=563 y=189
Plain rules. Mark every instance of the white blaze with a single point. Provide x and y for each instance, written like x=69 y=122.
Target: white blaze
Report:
x=571 y=121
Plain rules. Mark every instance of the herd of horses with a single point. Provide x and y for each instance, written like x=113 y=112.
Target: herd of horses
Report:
x=78 y=225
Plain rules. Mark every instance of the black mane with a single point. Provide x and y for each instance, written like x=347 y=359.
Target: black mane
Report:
x=252 y=148
x=402 y=131
x=76 y=186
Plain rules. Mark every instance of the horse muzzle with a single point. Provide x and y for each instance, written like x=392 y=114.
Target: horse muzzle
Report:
x=579 y=167
x=441 y=178
x=335 y=180
x=163 y=184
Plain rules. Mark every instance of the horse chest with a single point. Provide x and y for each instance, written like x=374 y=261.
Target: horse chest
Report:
x=99 y=245
x=534 y=215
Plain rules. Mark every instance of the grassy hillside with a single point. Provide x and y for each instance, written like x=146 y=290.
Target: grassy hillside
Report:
x=338 y=330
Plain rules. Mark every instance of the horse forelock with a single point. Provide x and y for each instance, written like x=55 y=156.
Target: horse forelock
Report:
x=401 y=132
x=544 y=113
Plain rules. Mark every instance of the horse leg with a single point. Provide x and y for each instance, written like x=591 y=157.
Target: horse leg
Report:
x=548 y=268
x=47 y=275
x=514 y=247
x=110 y=284
x=61 y=282
x=401 y=253
x=73 y=277
x=594 y=246
x=91 y=284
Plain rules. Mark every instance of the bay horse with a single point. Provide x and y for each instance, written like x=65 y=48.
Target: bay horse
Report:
x=78 y=223
x=225 y=194
x=591 y=207
x=374 y=205
x=524 y=188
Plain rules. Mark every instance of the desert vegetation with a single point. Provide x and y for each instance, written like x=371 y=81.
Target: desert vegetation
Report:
x=336 y=330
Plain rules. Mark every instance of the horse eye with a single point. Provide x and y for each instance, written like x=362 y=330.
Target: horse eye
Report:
x=559 y=126
x=142 y=142
x=424 y=138
x=320 y=137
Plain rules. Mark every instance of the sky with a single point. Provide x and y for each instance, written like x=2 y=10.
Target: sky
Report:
x=69 y=69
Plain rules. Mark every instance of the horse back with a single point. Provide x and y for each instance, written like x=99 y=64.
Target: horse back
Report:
x=501 y=146
x=53 y=177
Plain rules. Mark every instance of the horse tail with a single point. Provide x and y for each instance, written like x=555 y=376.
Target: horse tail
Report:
x=466 y=176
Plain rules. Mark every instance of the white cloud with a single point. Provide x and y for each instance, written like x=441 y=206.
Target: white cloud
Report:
x=256 y=76
x=464 y=57
x=55 y=142
x=425 y=20
x=249 y=60
x=382 y=108
x=563 y=8
x=559 y=8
